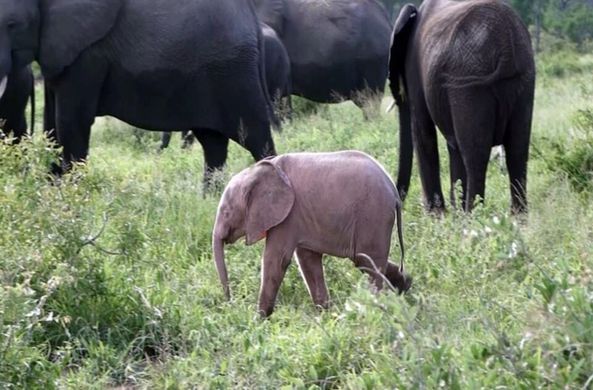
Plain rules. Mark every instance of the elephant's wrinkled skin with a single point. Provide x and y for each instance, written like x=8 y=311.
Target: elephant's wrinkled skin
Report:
x=468 y=68
x=197 y=65
x=338 y=49
x=277 y=72
x=13 y=103
x=342 y=204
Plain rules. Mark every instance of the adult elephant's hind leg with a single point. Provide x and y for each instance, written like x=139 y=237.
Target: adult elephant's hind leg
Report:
x=474 y=119
x=516 y=145
x=215 y=145
x=312 y=272
x=165 y=139
x=458 y=174
x=425 y=143
x=257 y=139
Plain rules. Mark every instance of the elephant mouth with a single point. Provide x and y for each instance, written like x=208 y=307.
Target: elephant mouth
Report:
x=3 y=86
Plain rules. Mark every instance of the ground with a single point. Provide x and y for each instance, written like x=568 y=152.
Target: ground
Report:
x=107 y=278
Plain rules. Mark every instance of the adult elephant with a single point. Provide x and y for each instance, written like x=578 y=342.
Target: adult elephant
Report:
x=338 y=49
x=18 y=88
x=197 y=65
x=277 y=76
x=468 y=68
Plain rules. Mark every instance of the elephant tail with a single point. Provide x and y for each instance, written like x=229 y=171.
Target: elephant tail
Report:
x=32 y=95
x=406 y=150
x=400 y=236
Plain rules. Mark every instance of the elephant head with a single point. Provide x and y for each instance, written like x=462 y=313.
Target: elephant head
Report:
x=254 y=201
x=19 y=26
x=271 y=12
x=54 y=32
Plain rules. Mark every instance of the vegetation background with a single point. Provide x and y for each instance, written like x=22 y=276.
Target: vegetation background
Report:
x=107 y=279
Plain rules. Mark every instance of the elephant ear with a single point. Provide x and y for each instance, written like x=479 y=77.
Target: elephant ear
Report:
x=70 y=26
x=269 y=201
x=271 y=12
x=399 y=46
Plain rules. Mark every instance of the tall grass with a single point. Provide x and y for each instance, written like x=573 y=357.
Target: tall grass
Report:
x=106 y=277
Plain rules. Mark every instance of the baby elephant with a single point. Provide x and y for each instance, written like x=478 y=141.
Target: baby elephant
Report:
x=342 y=204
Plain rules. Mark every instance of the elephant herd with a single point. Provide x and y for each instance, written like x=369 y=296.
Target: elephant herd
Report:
x=220 y=69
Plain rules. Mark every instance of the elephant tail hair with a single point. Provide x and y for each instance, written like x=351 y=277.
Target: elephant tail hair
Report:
x=32 y=131
x=400 y=236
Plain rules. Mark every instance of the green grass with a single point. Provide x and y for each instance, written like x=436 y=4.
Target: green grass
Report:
x=107 y=278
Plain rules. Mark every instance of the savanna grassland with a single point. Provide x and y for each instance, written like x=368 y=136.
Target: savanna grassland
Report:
x=107 y=278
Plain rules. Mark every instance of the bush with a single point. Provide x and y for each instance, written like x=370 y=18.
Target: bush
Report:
x=573 y=158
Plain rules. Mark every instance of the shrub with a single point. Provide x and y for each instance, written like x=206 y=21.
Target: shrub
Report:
x=573 y=158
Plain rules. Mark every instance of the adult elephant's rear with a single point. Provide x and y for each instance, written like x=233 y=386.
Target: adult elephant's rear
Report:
x=193 y=64
x=338 y=49
x=467 y=68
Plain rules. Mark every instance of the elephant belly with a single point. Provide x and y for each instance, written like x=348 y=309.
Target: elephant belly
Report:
x=162 y=99
x=328 y=84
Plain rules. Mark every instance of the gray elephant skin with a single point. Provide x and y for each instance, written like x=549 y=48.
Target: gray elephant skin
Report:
x=468 y=68
x=338 y=49
x=277 y=76
x=342 y=204
x=195 y=65
x=18 y=89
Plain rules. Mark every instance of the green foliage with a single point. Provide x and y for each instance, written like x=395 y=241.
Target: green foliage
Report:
x=106 y=276
x=573 y=156
x=570 y=19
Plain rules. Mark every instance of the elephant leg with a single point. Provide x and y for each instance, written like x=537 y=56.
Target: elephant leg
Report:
x=373 y=266
x=165 y=139
x=516 y=146
x=74 y=118
x=215 y=145
x=260 y=147
x=17 y=126
x=476 y=178
x=49 y=114
x=256 y=137
x=425 y=143
x=74 y=130
x=188 y=138
x=276 y=259
x=474 y=119
x=312 y=271
x=76 y=98
x=457 y=172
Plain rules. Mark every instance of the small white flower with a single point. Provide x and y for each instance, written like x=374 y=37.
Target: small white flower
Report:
x=514 y=250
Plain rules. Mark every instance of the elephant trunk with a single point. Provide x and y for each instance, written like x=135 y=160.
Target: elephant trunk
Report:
x=406 y=149
x=3 y=86
x=218 y=248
